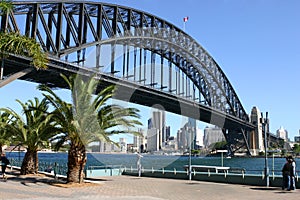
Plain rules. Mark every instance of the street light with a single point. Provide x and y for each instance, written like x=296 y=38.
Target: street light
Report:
x=222 y=157
x=264 y=123
x=190 y=152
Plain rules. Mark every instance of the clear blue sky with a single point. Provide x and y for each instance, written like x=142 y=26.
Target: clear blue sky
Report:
x=256 y=43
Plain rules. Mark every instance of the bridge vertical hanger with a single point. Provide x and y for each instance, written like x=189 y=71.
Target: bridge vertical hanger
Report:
x=80 y=31
x=170 y=72
x=113 y=46
x=4 y=23
x=59 y=26
x=34 y=21
x=99 y=34
x=134 y=65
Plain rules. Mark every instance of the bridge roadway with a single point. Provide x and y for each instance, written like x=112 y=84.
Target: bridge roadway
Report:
x=127 y=91
x=128 y=187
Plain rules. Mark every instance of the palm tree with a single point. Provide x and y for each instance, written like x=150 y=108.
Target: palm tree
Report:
x=88 y=118
x=33 y=132
x=15 y=43
x=4 y=134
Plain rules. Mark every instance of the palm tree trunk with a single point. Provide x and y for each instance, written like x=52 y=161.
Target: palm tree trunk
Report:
x=76 y=163
x=30 y=163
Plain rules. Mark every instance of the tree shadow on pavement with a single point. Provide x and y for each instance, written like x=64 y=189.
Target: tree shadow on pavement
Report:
x=265 y=188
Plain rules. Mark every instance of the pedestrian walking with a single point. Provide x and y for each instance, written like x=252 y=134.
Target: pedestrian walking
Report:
x=293 y=173
x=4 y=163
x=286 y=174
x=139 y=165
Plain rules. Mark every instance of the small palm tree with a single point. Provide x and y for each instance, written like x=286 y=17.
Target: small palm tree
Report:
x=33 y=132
x=4 y=134
x=15 y=43
x=87 y=119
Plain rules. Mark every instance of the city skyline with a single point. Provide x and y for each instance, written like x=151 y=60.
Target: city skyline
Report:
x=256 y=44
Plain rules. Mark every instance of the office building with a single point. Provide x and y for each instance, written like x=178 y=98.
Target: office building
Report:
x=282 y=133
x=212 y=135
x=256 y=139
x=153 y=140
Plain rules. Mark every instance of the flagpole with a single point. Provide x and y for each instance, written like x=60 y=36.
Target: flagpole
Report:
x=185 y=19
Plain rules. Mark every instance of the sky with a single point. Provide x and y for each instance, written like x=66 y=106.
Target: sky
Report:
x=255 y=42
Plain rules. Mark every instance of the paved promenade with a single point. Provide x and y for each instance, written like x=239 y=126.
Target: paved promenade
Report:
x=128 y=188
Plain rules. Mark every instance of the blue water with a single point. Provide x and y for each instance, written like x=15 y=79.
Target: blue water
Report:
x=251 y=165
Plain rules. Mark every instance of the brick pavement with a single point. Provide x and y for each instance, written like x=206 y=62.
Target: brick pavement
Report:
x=129 y=187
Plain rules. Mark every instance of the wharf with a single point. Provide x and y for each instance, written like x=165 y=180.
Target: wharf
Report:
x=130 y=187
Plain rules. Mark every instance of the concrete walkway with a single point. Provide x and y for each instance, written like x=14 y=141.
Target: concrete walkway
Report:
x=129 y=187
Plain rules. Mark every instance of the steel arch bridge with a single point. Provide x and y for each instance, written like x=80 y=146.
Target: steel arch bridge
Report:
x=151 y=60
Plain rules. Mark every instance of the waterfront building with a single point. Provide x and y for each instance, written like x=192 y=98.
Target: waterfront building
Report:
x=256 y=139
x=139 y=141
x=191 y=126
x=297 y=139
x=181 y=139
x=171 y=144
x=282 y=133
x=153 y=140
x=212 y=135
x=158 y=121
x=199 y=138
x=122 y=145
x=168 y=132
x=186 y=136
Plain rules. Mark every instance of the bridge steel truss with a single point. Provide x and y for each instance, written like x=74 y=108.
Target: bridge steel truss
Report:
x=133 y=49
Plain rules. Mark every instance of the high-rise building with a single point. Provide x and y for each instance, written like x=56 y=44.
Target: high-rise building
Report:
x=181 y=139
x=158 y=121
x=139 y=141
x=256 y=139
x=192 y=128
x=212 y=135
x=153 y=140
x=297 y=139
x=123 y=144
x=186 y=136
x=282 y=133
x=168 y=132
x=199 y=138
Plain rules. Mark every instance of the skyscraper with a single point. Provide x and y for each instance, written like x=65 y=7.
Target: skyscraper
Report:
x=158 y=122
x=282 y=133
x=256 y=137
x=212 y=135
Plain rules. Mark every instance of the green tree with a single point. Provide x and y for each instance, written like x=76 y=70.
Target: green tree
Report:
x=220 y=145
x=33 y=132
x=4 y=134
x=88 y=118
x=15 y=43
x=296 y=149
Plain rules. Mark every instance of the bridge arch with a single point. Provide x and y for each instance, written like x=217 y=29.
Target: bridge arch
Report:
x=71 y=32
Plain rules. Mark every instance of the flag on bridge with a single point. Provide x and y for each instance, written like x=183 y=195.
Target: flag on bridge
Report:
x=185 y=19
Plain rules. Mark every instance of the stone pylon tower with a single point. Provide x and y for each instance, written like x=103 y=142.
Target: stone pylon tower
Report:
x=256 y=141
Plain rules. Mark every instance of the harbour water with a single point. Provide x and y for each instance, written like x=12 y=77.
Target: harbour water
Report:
x=252 y=165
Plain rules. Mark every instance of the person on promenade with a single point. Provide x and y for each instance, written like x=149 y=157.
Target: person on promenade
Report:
x=286 y=174
x=138 y=163
x=293 y=172
x=4 y=163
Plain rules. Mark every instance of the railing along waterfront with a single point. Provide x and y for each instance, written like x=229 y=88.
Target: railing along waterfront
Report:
x=231 y=177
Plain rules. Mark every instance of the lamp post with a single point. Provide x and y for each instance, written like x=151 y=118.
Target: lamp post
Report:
x=222 y=156
x=264 y=123
x=190 y=156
